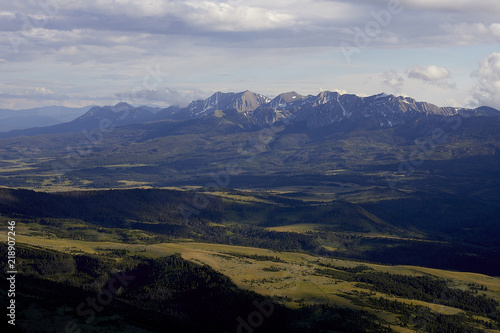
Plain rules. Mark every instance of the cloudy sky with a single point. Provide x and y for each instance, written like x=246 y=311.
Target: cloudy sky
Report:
x=162 y=52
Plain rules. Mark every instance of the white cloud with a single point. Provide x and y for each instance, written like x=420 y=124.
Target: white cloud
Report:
x=494 y=29
x=340 y=91
x=223 y=16
x=212 y=15
x=35 y=93
x=433 y=75
x=428 y=73
x=394 y=80
x=487 y=90
x=453 y=103
x=42 y=91
x=6 y=15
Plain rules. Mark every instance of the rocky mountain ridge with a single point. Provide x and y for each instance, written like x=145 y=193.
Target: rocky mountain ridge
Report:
x=246 y=109
x=323 y=109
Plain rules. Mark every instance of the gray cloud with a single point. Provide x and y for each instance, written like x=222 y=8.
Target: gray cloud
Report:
x=393 y=80
x=94 y=37
x=256 y=23
x=168 y=96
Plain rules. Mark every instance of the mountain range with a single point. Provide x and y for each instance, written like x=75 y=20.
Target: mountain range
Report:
x=388 y=137
x=249 y=110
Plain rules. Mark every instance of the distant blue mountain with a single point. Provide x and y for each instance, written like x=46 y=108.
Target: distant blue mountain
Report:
x=38 y=117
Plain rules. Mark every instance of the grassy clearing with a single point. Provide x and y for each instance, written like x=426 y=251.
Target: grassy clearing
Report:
x=125 y=165
x=304 y=228
x=300 y=228
x=16 y=169
x=237 y=197
x=291 y=278
x=134 y=184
